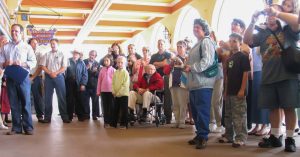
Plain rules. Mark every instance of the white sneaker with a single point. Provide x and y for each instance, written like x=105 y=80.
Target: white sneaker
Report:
x=212 y=127
x=176 y=125
x=3 y=127
x=181 y=126
x=219 y=129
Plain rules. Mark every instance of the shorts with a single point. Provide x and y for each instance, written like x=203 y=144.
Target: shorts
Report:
x=283 y=94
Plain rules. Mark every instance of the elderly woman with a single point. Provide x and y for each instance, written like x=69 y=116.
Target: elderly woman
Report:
x=200 y=86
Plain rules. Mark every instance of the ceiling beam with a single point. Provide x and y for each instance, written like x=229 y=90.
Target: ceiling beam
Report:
x=98 y=11
x=123 y=24
x=66 y=41
x=62 y=33
x=111 y=34
x=58 y=4
x=155 y=20
x=43 y=21
x=107 y=42
x=140 y=8
x=180 y=4
x=66 y=33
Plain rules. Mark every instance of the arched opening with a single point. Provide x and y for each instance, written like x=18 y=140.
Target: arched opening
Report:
x=226 y=10
x=158 y=33
x=184 y=25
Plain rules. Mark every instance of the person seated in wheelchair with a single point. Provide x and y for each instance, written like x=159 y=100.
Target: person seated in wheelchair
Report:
x=143 y=91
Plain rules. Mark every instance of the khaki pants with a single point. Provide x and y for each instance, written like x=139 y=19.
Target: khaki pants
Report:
x=146 y=99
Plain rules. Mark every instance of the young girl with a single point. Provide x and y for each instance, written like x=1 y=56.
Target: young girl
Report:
x=104 y=88
x=120 y=90
x=5 y=106
x=290 y=6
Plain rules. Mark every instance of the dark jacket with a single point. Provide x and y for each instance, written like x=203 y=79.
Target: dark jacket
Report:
x=93 y=75
x=81 y=74
x=156 y=82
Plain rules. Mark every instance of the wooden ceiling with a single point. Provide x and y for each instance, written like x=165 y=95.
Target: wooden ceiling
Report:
x=97 y=21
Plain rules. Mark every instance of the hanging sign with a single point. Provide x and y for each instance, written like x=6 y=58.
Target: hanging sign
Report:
x=43 y=36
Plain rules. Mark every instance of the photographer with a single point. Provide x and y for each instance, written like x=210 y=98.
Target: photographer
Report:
x=279 y=87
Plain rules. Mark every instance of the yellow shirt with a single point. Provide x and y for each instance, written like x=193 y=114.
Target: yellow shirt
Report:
x=120 y=83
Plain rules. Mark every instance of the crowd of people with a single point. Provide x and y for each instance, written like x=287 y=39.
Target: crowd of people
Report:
x=244 y=74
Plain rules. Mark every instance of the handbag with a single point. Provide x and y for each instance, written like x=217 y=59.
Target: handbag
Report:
x=212 y=70
x=290 y=56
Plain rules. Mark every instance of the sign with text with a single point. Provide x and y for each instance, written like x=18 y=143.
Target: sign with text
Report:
x=43 y=36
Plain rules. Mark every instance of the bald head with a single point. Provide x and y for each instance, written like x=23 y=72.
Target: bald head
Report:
x=150 y=69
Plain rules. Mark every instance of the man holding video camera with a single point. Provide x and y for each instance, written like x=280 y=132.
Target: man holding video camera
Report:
x=279 y=87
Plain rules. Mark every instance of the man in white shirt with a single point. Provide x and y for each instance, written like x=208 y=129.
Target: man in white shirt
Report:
x=54 y=64
x=19 y=54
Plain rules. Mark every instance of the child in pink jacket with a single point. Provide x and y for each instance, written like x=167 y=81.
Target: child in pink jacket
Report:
x=104 y=89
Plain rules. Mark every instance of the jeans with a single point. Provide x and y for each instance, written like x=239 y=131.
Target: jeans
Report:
x=91 y=93
x=200 y=101
x=59 y=84
x=19 y=97
x=36 y=89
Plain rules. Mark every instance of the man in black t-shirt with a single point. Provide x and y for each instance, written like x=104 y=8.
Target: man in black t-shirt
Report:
x=238 y=66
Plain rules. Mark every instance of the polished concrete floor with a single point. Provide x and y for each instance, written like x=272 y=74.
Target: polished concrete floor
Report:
x=90 y=139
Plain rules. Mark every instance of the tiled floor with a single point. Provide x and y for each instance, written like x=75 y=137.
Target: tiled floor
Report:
x=90 y=139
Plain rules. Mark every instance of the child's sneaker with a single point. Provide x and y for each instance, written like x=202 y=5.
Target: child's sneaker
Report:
x=219 y=129
x=238 y=143
x=290 y=145
x=224 y=140
x=270 y=142
x=3 y=127
x=181 y=126
x=212 y=127
x=176 y=125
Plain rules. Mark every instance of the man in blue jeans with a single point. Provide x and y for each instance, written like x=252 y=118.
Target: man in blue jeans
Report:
x=54 y=64
x=19 y=54
x=37 y=82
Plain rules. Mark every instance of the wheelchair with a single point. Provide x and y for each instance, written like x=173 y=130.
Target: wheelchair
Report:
x=154 y=113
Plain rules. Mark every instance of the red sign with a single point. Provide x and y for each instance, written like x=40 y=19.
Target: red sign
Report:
x=43 y=37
